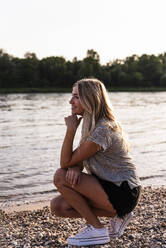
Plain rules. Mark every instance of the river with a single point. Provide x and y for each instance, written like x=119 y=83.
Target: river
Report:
x=32 y=130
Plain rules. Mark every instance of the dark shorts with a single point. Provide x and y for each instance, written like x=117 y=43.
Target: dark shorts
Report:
x=123 y=198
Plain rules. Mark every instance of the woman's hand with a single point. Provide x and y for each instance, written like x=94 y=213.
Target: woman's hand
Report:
x=72 y=122
x=73 y=175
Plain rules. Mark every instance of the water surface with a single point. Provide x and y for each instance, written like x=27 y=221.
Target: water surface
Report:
x=32 y=130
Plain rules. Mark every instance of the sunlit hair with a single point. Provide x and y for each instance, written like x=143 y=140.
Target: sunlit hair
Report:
x=96 y=104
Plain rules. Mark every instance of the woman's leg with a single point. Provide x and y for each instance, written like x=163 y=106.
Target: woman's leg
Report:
x=88 y=188
x=61 y=208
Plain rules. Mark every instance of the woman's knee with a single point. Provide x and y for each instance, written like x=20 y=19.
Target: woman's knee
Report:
x=55 y=206
x=58 y=206
x=59 y=177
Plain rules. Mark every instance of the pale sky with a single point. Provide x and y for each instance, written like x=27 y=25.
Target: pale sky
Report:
x=68 y=28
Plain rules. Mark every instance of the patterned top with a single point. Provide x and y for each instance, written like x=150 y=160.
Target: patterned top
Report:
x=112 y=162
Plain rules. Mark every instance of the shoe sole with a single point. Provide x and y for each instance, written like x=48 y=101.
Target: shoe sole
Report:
x=122 y=228
x=89 y=241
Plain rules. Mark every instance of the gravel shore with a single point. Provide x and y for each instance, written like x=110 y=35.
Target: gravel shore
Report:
x=38 y=228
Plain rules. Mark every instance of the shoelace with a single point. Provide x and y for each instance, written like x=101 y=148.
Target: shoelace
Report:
x=87 y=229
x=113 y=223
x=83 y=230
x=83 y=227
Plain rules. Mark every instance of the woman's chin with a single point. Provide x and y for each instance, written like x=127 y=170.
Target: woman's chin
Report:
x=76 y=113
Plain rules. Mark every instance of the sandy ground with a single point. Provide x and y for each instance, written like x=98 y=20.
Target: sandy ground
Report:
x=26 y=207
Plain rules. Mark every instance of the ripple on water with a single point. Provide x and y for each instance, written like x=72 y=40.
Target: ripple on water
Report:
x=32 y=133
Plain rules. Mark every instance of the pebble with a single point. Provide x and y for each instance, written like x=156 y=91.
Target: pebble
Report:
x=39 y=229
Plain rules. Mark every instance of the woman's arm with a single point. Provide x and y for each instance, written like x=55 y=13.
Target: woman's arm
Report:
x=87 y=149
x=84 y=151
x=67 y=147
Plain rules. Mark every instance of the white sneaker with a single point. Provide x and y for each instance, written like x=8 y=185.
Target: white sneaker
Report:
x=90 y=236
x=118 y=225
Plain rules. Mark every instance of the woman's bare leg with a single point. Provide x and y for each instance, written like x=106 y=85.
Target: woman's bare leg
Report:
x=77 y=196
x=61 y=208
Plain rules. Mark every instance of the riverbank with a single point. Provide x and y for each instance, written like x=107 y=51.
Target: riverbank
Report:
x=68 y=90
x=36 y=227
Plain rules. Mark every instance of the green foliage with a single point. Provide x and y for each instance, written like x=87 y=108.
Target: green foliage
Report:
x=146 y=71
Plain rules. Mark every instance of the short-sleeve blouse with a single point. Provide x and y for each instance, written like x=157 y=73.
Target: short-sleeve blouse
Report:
x=112 y=162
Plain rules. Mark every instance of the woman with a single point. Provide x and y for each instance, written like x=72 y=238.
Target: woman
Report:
x=111 y=187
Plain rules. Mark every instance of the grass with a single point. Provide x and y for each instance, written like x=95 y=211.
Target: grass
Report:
x=67 y=90
x=34 y=90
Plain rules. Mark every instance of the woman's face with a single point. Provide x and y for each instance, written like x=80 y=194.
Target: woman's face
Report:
x=76 y=107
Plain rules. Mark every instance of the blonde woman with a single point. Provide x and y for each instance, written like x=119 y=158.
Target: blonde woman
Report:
x=111 y=187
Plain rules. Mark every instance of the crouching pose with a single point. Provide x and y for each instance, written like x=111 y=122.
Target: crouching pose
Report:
x=110 y=187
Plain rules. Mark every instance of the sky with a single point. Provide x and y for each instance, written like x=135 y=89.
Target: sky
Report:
x=115 y=29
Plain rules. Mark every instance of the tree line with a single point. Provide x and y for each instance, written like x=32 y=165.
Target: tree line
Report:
x=143 y=71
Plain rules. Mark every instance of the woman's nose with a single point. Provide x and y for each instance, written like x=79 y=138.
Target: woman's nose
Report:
x=71 y=100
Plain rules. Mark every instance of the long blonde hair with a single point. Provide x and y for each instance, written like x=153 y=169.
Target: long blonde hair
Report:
x=96 y=104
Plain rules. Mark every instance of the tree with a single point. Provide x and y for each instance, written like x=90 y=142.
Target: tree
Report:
x=151 y=69
x=133 y=71
x=52 y=70
x=93 y=54
x=5 y=69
